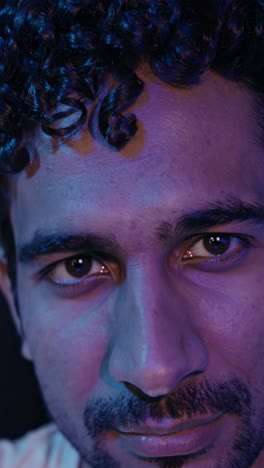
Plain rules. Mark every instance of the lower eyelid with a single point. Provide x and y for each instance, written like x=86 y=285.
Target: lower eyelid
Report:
x=226 y=257
x=220 y=263
x=77 y=281
x=71 y=291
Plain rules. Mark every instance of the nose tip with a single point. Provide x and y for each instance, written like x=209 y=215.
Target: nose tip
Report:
x=155 y=342
x=156 y=373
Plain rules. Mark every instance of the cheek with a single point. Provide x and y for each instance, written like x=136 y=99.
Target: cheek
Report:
x=68 y=342
x=73 y=362
x=232 y=323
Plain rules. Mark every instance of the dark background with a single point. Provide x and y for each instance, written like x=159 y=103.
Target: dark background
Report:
x=21 y=405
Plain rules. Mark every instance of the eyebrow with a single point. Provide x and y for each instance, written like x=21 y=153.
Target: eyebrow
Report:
x=230 y=210
x=44 y=244
x=218 y=213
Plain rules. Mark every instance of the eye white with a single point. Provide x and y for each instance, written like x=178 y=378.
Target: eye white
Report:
x=61 y=275
x=198 y=249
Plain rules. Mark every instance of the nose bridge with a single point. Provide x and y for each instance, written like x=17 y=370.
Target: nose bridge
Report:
x=154 y=345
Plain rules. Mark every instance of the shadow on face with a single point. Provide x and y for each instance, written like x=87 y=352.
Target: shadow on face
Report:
x=22 y=407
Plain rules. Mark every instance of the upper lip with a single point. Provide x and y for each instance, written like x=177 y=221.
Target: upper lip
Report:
x=168 y=426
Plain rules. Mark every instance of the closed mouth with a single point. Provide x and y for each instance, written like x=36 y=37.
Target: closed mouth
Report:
x=168 y=438
x=168 y=426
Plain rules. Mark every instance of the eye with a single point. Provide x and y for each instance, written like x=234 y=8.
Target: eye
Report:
x=211 y=246
x=82 y=275
x=216 y=251
x=75 y=269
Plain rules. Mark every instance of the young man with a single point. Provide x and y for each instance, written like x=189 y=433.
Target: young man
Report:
x=132 y=233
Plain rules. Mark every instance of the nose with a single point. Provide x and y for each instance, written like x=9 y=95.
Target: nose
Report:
x=155 y=341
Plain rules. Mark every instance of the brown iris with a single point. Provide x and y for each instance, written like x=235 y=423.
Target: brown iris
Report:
x=78 y=266
x=217 y=245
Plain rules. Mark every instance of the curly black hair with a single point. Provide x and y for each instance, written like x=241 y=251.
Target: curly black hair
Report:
x=61 y=53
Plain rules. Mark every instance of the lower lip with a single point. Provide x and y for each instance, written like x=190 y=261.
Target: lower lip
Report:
x=171 y=445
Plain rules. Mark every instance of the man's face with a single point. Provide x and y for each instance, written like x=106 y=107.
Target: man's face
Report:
x=140 y=283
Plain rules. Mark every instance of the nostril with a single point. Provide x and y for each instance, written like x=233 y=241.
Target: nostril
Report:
x=134 y=390
x=194 y=373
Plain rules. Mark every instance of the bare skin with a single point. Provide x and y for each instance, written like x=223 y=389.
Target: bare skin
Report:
x=158 y=314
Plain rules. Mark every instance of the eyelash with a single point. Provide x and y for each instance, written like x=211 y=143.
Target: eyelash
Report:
x=72 y=290
x=213 y=264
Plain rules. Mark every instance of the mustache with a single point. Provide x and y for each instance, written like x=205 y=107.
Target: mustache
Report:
x=128 y=410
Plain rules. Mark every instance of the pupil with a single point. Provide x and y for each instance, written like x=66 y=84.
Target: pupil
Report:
x=78 y=267
x=217 y=245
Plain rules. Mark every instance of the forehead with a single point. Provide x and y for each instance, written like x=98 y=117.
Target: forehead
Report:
x=192 y=144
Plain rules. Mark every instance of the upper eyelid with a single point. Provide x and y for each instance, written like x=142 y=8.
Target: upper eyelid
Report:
x=234 y=235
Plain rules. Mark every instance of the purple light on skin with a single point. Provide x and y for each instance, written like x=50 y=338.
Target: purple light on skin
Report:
x=201 y=400
x=160 y=327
